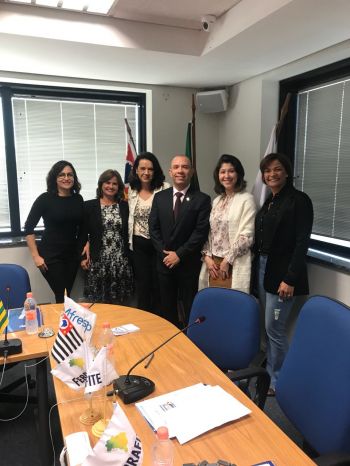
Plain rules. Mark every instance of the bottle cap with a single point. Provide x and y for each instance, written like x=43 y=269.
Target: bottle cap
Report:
x=29 y=294
x=162 y=433
x=106 y=325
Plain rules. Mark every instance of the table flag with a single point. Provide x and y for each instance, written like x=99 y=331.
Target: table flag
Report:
x=119 y=444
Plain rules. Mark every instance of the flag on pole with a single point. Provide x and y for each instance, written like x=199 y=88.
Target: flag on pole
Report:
x=67 y=340
x=260 y=191
x=73 y=370
x=188 y=153
x=100 y=373
x=4 y=320
x=129 y=158
x=119 y=444
x=82 y=318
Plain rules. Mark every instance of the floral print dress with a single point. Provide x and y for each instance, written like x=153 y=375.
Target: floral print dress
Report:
x=110 y=278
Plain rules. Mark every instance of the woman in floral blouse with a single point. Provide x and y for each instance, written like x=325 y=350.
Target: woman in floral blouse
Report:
x=226 y=254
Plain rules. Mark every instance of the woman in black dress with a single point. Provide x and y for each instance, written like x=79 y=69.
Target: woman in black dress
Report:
x=61 y=209
x=109 y=277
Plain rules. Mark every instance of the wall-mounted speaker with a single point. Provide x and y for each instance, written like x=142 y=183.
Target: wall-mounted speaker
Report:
x=212 y=101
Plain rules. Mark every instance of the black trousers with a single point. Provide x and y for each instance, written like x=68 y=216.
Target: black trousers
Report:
x=178 y=287
x=60 y=276
x=147 y=286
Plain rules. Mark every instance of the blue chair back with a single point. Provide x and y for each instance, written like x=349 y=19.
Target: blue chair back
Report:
x=313 y=388
x=16 y=278
x=230 y=334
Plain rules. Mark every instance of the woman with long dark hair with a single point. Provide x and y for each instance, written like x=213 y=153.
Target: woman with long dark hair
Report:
x=61 y=209
x=109 y=277
x=227 y=253
x=282 y=232
x=146 y=179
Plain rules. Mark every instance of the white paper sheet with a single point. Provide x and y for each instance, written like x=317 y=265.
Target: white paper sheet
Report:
x=124 y=329
x=191 y=411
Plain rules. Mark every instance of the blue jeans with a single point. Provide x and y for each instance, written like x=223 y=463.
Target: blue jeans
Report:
x=276 y=315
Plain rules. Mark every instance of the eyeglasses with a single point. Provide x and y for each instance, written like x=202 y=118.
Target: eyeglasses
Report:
x=62 y=176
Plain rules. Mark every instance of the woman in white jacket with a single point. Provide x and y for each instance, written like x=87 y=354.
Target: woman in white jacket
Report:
x=227 y=253
x=146 y=179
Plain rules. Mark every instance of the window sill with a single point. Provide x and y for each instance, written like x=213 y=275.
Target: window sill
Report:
x=330 y=260
x=13 y=242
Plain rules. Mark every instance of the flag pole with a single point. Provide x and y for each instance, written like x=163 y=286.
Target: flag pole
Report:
x=193 y=139
x=90 y=416
x=283 y=114
x=100 y=426
x=128 y=129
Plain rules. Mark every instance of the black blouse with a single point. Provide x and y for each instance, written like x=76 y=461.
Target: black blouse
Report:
x=63 y=217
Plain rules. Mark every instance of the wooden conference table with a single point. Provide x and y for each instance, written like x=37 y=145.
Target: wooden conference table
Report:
x=178 y=364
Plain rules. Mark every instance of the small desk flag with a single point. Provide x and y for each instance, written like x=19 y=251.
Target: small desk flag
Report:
x=4 y=319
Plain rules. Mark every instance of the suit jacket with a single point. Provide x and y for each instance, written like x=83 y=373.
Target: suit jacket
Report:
x=289 y=239
x=92 y=227
x=187 y=235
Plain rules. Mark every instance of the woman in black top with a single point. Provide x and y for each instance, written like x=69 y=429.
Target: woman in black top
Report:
x=61 y=209
x=109 y=276
x=282 y=232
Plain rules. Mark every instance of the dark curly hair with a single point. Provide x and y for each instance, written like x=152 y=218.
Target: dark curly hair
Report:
x=283 y=160
x=231 y=159
x=158 y=175
x=56 y=169
x=106 y=176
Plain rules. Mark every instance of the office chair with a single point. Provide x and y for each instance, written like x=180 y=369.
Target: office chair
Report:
x=16 y=278
x=230 y=335
x=14 y=285
x=313 y=388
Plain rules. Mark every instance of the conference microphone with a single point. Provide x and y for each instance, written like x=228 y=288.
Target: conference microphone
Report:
x=12 y=345
x=131 y=388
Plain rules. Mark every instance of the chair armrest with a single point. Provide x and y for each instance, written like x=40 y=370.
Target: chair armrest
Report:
x=262 y=382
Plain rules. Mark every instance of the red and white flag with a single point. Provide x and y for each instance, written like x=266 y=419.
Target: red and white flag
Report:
x=129 y=162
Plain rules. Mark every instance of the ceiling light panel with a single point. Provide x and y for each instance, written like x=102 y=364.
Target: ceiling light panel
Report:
x=77 y=5
x=20 y=1
x=90 y=6
x=100 y=6
x=51 y=3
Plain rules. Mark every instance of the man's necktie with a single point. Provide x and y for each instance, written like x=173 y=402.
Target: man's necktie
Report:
x=177 y=205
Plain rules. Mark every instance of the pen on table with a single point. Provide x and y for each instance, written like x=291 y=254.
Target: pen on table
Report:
x=149 y=361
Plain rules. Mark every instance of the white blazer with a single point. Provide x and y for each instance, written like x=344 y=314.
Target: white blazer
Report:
x=241 y=222
x=132 y=200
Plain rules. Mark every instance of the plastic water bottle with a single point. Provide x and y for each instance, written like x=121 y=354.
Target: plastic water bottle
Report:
x=31 y=315
x=107 y=338
x=163 y=449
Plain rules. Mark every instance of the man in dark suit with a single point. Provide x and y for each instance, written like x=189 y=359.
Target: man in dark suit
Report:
x=179 y=226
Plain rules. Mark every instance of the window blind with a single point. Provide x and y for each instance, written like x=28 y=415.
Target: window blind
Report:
x=322 y=157
x=90 y=135
x=4 y=203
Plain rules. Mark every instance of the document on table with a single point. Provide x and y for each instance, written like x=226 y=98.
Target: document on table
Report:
x=124 y=329
x=191 y=411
